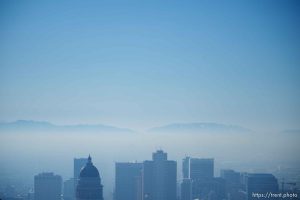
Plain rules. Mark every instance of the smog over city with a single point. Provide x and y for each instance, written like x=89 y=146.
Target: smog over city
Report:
x=149 y=100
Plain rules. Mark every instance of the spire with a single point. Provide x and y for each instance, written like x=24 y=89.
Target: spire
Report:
x=89 y=159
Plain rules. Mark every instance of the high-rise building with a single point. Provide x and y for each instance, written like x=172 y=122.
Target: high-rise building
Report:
x=139 y=187
x=201 y=168
x=232 y=183
x=186 y=167
x=159 y=178
x=231 y=176
x=186 y=189
x=198 y=168
x=78 y=164
x=200 y=171
x=69 y=191
x=209 y=189
x=243 y=179
x=10 y=191
x=261 y=184
x=127 y=181
x=30 y=195
x=47 y=186
x=89 y=185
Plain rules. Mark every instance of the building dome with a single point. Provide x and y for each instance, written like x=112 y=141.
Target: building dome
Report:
x=89 y=170
x=89 y=185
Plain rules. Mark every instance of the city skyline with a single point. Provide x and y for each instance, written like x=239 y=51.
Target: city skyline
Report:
x=215 y=83
x=158 y=178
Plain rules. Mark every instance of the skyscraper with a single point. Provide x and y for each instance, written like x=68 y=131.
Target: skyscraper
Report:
x=232 y=183
x=159 y=178
x=209 y=189
x=200 y=171
x=186 y=167
x=89 y=183
x=201 y=168
x=186 y=189
x=127 y=186
x=78 y=164
x=69 y=191
x=232 y=177
x=47 y=186
x=262 y=184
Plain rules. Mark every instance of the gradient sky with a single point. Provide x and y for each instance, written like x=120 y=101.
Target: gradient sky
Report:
x=139 y=64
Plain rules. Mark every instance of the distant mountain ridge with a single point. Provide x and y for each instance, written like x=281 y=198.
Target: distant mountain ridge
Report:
x=197 y=127
x=200 y=127
x=31 y=125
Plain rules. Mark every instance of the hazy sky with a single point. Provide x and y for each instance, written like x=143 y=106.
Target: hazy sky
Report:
x=140 y=64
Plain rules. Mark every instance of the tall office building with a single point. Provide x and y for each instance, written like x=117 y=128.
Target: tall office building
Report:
x=159 y=178
x=186 y=189
x=69 y=191
x=200 y=171
x=127 y=181
x=47 y=186
x=198 y=168
x=201 y=168
x=139 y=187
x=78 y=164
x=209 y=189
x=262 y=184
x=186 y=167
x=232 y=183
x=89 y=183
x=232 y=177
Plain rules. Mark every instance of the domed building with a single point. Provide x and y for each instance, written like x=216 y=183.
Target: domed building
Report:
x=89 y=184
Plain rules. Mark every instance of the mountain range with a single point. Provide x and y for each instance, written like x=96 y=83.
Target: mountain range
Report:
x=198 y=127
x=30 y=125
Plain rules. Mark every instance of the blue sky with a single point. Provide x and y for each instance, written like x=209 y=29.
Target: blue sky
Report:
x=140 y=64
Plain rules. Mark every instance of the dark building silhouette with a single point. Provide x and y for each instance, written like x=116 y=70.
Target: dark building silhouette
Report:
x=209 y=189
x=243 y=179
x=89 y=183
x=30 y=195
x=10 y=191
x=47 y=186
x=262 y=184
x=233 y=184
x=201 y=168
x=79 y=163
x=127 y=181
x=69 y=190
x=231 y=176
x=186 y=189
x=205 y=186
x=186 y=167
x=159 y=178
